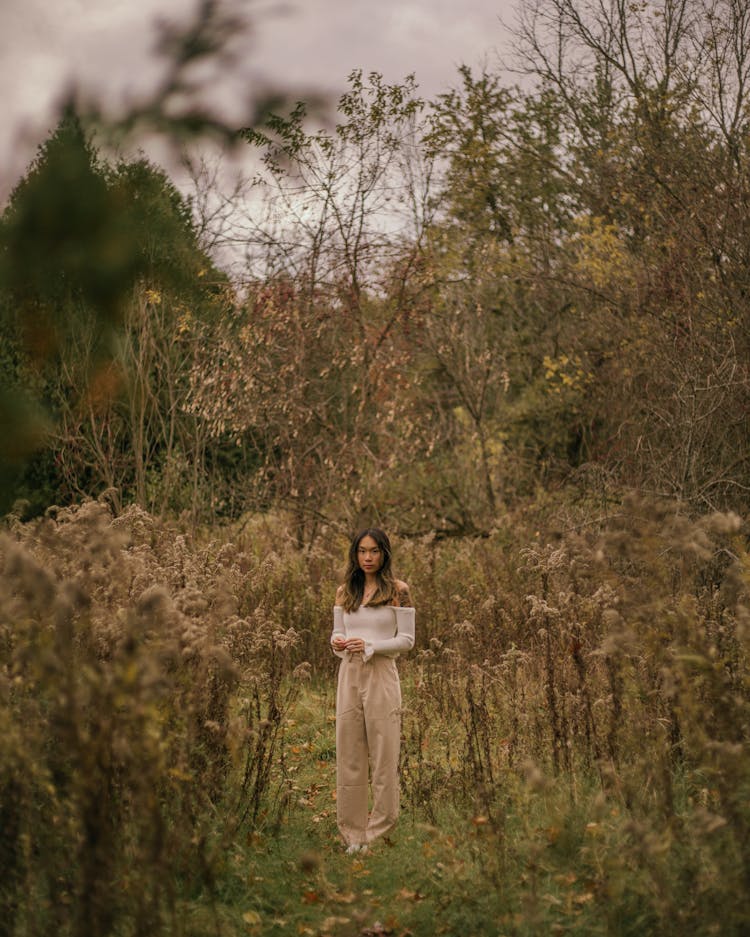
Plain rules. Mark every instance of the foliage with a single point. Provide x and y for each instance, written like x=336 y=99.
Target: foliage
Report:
x=110 y=369
x=77 y=238
x=445 y=306
x=137 y=678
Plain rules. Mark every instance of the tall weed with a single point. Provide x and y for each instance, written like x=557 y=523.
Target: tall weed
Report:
x=579 y=699
x=124 y=656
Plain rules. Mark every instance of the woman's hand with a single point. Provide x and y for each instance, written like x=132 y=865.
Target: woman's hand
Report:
x=340 y=643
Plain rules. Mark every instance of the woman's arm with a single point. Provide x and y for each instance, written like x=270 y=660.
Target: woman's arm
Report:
x=338 y=636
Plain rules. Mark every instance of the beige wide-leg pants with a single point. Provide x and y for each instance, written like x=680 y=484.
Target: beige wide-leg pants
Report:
x=368 y=728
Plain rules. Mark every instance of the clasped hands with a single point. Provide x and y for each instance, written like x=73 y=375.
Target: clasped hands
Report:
x=341 y=643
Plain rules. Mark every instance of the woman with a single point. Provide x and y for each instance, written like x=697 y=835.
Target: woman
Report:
x=373 y=621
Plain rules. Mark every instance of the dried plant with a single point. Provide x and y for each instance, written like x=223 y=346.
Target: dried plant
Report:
x=123 y=656
x=583 y=703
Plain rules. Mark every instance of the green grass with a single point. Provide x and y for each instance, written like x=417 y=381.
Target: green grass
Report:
x=544 y=862
x=460 y=878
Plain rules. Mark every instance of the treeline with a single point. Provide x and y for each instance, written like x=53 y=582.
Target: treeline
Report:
x=446 y=308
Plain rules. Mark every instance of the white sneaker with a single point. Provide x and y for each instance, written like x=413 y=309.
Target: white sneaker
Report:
x=351 y=850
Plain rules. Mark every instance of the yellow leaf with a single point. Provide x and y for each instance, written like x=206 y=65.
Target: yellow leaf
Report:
x=345 y=898
x=252 y=919
x=410 y=895
x=330 y=922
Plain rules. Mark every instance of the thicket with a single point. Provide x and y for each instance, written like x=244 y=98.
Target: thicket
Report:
x=583 y=703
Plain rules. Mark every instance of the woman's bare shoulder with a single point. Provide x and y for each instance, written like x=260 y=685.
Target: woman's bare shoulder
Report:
x=340 y=595
x=403 y=595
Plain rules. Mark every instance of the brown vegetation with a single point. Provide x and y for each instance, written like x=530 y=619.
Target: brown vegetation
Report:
x=149 y=678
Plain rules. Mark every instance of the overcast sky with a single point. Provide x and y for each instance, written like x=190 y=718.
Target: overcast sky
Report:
x=106 y=47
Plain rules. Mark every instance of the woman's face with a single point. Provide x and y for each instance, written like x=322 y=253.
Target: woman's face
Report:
x=369 y=555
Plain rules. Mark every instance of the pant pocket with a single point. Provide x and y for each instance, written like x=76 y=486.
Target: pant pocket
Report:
x=347 y=691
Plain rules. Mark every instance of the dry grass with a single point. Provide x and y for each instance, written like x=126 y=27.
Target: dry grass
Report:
x=575 y=725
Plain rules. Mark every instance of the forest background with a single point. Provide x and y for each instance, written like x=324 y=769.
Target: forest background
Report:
x=509 y=325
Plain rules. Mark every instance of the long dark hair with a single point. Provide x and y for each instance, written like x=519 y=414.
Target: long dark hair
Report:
x=354 y=577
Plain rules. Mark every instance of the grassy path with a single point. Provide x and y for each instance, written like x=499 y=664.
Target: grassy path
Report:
x=522 y=874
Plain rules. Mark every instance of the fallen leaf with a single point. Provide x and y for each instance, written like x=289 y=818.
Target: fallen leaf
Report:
x=346 y=898
x=408 y=895
x=377 y=930
x=584 y=898
x=252 y=919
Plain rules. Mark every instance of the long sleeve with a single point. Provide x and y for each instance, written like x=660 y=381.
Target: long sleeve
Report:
x=338 y=628
x=403 y=640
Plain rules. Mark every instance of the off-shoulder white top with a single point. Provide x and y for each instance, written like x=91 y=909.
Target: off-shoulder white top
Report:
x=385 y=629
